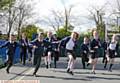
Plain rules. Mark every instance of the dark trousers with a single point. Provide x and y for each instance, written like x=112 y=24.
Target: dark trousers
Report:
x=104 y=57
x=56 y=57
x=9 y=62
x=37 y=63
x=23 y=55
x=84 y=59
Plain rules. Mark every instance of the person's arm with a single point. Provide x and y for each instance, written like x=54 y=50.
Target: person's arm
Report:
x=33 y=43
x=4 y=45
x=63 y=42
x=100 y=43
x=82 y=48
x=116 y=49
x=92 y=44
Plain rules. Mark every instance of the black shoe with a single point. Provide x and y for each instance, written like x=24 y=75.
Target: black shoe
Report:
x=46 y=66
x=34 y=74
x=84 y=67
x=103 y=61
x=68 y=70
x=88 y=64
x=7 y=71
x=110 y=70
x=104 y=67
x=55 y=66
x=5 y=64
x=93 y=72
x=71 y=73
x=50 y=66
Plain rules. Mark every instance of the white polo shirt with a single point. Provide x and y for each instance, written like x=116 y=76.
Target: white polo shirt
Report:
x=112 y=46
x=70 y=44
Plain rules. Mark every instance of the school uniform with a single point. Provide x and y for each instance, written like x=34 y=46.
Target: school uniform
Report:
x=112 y=49
x=70 y=46
x=62 y=45
x=94 y=48
x=104 y=46
x=11 y=48
x=38 y=52
x=84 y=54
x=55 y=45
x=48 y=45
x=24 y=47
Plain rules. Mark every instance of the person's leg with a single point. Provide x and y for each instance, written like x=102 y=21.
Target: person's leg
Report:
x=10 y=61
x=104 y=57
x=46 y=58
x=83 y=61
x=49 y=59
x=55 y=58
x=37 y=65
x=46 y=62
x=111 y=64
x=29 y=54
x=94 y=65
x=24 y=56
x=34 y=60
x=69 y=62
x=21 y=55
x=72 y=66
x=105 y=61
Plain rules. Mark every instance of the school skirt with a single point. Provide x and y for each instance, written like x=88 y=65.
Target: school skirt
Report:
x=95 y=54
x=71 y=52
x=47 y=50
x=111 y=53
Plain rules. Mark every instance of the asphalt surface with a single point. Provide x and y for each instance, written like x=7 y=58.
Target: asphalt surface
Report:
x=59 y=75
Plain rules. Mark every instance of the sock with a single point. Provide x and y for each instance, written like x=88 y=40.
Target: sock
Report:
x=105 y=64
x=110 y=66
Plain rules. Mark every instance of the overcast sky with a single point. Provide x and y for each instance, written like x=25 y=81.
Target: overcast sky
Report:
x=43 y=8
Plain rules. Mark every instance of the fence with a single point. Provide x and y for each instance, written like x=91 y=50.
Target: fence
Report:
x=3 y=55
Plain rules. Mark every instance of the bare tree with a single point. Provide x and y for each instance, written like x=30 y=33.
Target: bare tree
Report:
x=16 y=15
x=60 y=18
x=67 y=14
x=55 y=21
x=12 y=16
x=24 y=13
x=96 y=15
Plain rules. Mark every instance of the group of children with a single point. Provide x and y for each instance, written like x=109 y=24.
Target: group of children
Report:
x=90 y=51
x=51 y=46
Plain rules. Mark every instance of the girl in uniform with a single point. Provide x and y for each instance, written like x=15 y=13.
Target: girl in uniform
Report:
x=85 y=51
x=70 y=43
x=24 y=48
x=55 y=45
x=112 y=51
x=94 y=47
x=48 y=52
